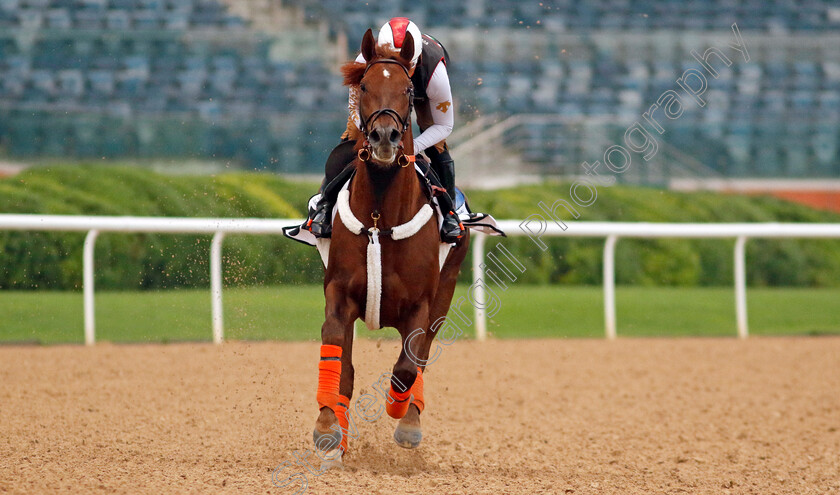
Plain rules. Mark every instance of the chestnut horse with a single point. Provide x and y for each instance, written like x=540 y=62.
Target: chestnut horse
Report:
x=415 y=291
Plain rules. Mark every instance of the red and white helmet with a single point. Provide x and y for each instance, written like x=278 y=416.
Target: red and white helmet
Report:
x=393 y=33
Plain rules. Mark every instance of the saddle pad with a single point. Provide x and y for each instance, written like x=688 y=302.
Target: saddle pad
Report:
x=480 y=222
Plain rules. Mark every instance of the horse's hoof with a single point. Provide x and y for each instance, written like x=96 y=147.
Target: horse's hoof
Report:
x=408 y=436
x=326 y=442
x=332 y=460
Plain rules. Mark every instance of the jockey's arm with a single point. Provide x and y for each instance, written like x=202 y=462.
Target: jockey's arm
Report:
x=443 y=115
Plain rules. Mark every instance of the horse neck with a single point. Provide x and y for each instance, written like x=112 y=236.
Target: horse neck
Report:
x=395 y=193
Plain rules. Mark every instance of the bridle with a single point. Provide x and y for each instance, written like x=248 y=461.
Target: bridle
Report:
x=364 y=153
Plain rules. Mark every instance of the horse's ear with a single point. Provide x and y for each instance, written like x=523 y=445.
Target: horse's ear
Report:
x=407 y=50
x=368 y=46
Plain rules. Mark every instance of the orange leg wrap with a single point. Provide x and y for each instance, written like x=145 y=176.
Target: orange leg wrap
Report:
x=417 y=391
x=397 y=404
x=329 y=376
x=341 y=413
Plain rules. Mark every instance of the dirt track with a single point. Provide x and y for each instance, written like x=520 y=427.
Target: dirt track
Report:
x=632 y=416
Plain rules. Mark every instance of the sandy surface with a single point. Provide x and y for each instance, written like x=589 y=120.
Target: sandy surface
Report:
x=549 y=416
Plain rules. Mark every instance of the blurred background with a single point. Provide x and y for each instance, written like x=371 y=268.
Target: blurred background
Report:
x=254 y=82
x=170 y=107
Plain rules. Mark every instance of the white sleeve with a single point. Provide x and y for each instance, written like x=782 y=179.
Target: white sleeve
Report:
x=353 y=100
x=443 y=115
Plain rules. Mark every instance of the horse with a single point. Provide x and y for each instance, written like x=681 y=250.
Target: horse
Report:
x=415 y=291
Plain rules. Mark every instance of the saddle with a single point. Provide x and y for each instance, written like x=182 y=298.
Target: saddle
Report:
x=432 y=188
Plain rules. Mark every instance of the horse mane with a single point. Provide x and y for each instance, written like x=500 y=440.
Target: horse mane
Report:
x=354 y=71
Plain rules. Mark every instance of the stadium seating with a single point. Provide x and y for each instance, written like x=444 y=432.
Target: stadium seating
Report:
x=149 y=68
x=92 y=63
x=570 y=15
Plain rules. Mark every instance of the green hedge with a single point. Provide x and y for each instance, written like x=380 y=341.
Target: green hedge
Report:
x=47 y=260
x=706 y=262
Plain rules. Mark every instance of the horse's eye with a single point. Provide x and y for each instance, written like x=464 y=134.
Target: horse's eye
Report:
x=408 y=90
x=363 y=87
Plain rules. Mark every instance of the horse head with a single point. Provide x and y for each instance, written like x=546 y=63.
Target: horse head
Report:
x=386 y=97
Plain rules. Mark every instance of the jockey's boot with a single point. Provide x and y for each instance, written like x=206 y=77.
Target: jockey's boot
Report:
x=320 y=217
x=320 y=223
x=452 y=228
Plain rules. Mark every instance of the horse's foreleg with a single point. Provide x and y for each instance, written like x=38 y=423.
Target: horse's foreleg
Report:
x=439 y=309
x=407 y=381
x=408 y=433
x=335 y=371
x=443 y=297
x=405 y=370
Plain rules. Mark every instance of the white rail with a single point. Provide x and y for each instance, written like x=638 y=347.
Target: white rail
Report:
x=613 y=231
x=218 y=227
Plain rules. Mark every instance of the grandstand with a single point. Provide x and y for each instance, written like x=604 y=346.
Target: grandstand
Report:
x=779 y=16
x=160 y=79
x=209 y=80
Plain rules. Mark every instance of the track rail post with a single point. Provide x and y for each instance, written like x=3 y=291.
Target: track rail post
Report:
x=88 y=286
x=216 y=287
x=478 y=288
x=609 y=287
x=741 y=286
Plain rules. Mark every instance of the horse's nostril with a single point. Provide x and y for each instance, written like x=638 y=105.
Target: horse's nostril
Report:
x=374 y=136
x=395 y=137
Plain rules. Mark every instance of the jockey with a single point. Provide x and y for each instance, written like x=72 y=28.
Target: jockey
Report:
x=435 y=117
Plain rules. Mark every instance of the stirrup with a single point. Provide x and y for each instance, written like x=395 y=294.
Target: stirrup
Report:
x=320 y=223
x=451 y=233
